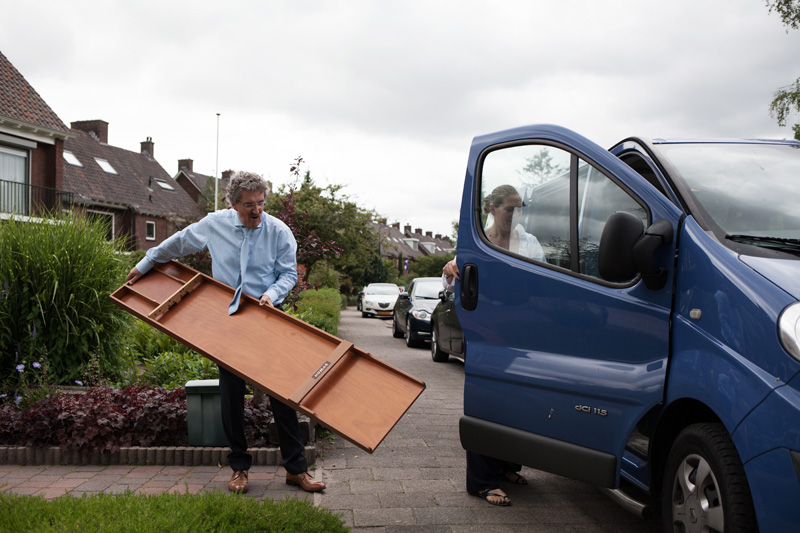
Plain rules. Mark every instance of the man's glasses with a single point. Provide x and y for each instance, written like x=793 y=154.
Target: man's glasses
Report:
x=251 y=205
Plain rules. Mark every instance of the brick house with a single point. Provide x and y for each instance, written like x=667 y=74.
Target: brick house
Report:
x=129 y=190
x=199 y=186
x=31 y=145
x=46 y=167
x=398 y=244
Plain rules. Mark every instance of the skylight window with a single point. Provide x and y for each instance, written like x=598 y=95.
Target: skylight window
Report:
x=105 y=165
x=70 y=158
x=164 y=185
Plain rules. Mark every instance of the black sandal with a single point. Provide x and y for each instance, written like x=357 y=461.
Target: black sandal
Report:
x=515 y=478
x=486 y=494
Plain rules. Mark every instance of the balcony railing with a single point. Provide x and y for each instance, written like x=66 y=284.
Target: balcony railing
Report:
x=31 y=200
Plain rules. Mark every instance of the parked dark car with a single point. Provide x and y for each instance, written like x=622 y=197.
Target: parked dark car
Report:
x=412 y=312
x=446 y=336
x=360 y=299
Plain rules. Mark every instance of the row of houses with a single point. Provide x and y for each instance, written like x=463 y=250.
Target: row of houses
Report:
x=46 y=166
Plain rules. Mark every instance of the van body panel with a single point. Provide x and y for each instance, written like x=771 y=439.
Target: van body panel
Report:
x=586 y=358
x=568 y=368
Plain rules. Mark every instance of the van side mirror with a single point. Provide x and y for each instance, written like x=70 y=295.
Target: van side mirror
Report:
x=654 y=276
x=626 y=249
x=614 y=259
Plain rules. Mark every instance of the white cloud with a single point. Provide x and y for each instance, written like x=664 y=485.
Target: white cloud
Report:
x=385 y=98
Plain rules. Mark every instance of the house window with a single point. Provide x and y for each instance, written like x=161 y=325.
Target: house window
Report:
x=102 y=217
x=13 y=185
x=105 y=165
x=70 y=158
x=150 y=231
x=164 y=185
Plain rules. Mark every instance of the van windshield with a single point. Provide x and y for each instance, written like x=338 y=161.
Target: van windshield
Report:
x=746 y=189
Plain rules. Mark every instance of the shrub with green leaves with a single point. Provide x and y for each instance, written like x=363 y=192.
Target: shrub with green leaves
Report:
x=55 y=279
x=153 y=358
x=320 y=308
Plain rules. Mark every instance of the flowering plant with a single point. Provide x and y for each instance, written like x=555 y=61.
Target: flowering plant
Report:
x=29 y=384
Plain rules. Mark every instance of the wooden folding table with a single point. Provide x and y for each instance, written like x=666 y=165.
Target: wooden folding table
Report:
x=344 y=388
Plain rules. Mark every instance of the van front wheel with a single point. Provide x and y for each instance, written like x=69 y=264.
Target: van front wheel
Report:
x=705 y=487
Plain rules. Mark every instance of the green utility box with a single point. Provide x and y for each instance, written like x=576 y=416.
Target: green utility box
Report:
x=203 y=413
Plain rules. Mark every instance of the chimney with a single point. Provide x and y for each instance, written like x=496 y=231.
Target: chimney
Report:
x=438 y=236
x=227 y=174
x=396 y=226
x=407 y=228
x=429 y=234
x=147 y=148
x=418 y=231
x=98 y=127
x=185 y=164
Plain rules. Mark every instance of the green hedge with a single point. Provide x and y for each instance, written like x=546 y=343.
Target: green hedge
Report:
x=55 y=279
x=320 y=308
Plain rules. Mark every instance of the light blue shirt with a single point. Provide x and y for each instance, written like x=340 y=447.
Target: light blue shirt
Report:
x=272 y=264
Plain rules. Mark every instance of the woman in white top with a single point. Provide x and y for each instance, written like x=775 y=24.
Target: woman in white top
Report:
x=504 y=204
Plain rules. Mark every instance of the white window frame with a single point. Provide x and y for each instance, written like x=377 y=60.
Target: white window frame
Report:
x=164 y=184
x=147 y=233
x=17 y=203
x=107 y=214
x=105 y=165
x=72 y=159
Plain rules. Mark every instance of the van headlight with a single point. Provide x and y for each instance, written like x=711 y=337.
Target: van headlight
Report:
x=789 y=330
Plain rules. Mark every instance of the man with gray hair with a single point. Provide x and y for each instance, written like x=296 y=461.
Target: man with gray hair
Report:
x=256 y=253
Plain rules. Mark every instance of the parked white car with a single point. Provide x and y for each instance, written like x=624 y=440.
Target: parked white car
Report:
x=379 y=299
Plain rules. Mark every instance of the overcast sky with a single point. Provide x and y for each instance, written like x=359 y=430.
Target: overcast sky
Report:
x=385 y=97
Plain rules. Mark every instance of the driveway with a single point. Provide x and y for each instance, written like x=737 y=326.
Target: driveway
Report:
x=415 y=479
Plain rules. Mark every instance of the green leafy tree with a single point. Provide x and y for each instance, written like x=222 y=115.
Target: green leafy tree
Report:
x=206 y=199
x=787 y=99
x=332 y=218
x=429 y=266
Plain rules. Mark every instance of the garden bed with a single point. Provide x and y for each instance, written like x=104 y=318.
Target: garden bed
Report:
x=134 y=425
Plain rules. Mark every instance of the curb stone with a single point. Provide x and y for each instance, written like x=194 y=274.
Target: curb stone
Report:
x=158 y=455
x=136 y=455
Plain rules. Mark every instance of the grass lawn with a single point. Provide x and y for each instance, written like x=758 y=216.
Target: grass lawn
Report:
x=173 y=513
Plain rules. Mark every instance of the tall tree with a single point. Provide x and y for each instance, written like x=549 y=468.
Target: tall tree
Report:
x=787 y=99
x=332 y=218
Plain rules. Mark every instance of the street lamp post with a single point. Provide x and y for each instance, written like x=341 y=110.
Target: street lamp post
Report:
x=216 y=170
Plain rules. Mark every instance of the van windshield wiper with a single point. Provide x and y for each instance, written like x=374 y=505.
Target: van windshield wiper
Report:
x=777 y=243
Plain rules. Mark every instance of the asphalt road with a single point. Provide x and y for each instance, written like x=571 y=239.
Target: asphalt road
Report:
x=415 y=480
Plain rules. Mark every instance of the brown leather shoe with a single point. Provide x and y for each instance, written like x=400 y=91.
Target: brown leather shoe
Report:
x=238 y=482
x=305 y=482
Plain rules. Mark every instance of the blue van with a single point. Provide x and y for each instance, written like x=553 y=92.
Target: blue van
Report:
x=632 y=320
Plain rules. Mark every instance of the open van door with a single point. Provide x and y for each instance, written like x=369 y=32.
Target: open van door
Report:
x=563 y=361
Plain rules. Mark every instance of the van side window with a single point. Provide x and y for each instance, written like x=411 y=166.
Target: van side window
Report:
x=524 y=200
x=598 y=198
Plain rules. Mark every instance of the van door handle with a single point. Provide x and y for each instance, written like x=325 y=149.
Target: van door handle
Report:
x=469 y=287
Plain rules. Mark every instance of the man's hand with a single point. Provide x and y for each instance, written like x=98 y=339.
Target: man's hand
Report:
x=265 y=300
x=133 y=275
